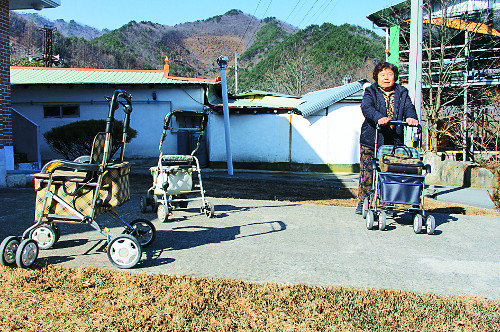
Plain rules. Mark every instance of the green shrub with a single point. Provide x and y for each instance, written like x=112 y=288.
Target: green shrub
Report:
x=75 y=139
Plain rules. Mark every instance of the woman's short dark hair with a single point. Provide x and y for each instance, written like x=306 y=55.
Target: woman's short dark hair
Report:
x=383 y=65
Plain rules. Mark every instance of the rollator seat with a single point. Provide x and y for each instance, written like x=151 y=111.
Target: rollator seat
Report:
x=174 y=158
x=60 y=175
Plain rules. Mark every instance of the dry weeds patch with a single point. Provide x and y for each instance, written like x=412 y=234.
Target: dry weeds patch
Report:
x=90 y=299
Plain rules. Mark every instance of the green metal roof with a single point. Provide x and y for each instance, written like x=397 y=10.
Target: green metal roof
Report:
x=39 y=75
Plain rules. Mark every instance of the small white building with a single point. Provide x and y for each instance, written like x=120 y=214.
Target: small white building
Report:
x=317 y=132
x=44 y=98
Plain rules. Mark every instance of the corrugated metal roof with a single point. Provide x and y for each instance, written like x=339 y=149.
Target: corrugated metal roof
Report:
x=39 y=75
x=318 y=100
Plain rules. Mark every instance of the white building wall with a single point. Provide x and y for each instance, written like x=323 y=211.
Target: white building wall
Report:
x=328 y=139
x=318 y=139
x=254 y=138
x=147 y=115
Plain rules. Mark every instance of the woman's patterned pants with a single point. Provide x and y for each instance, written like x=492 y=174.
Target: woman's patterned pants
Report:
x=365 y=172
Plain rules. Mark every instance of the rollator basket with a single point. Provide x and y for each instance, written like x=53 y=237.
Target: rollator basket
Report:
x=401 y=188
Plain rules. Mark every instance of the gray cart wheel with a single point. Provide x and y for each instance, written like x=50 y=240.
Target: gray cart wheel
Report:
x=431 y=224
x=162 y=212
x=26 y=253
x=382 y=221
x=184 y=204
x=155 y=203
x=209 y=209
x=366 y=206
x=57 y=230
x=417 y=223
x=370 y=220
x=143 y=203
x=124 y=251
x=45 y=236
x=8 y=250
x=143 y=230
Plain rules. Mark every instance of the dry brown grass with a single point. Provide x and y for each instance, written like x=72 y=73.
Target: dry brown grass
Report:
x=90 y=299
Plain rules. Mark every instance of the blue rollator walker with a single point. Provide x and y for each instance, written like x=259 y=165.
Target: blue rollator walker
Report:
x=399 y=188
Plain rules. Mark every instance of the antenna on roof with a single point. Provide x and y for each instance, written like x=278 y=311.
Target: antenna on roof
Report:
x=47 y=57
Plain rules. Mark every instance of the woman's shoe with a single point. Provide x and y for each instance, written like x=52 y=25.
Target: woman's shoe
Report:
x=359 y=209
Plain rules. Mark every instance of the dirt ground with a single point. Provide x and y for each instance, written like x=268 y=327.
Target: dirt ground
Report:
x=313 y=193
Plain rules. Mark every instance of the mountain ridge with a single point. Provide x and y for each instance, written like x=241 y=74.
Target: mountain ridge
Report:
x=266 y=48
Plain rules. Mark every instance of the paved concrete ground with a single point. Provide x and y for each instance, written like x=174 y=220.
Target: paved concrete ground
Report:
x=281 y=242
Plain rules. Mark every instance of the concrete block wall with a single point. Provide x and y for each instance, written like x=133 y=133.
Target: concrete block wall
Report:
x=456 y=173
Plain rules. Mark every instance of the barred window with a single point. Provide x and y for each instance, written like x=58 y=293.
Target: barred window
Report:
x=61 y=111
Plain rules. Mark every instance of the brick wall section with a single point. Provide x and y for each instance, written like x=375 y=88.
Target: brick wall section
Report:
x=5 y=114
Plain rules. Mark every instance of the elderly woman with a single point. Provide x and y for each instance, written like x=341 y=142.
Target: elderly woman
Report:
x=383 y=101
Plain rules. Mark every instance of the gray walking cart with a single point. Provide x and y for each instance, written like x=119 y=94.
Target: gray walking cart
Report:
x=398 y=190
x=173 y=187
x=79 y=191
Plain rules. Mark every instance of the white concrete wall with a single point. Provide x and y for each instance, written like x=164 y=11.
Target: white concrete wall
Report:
x=147 y=116
x=318 y=139
x=254 y=138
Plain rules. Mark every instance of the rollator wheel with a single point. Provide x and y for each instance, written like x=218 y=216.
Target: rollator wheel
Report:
x=143 y=230
x=124 y=251
x=26 y=253
x=417 y=223
x=57 y=230
x=382 y=221
x=431 y=224
x=143 y=203
x=183 y=205
x=370 y=220
x=45 y=236
x=209 y=209
x=162 y=212
x=8 y=249
x=366 y=206
x=155 y=203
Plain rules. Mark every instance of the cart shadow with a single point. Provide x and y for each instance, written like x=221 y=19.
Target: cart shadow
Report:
x=69 y=243
x=406 y=220
x=221 y=211
x=188 y=237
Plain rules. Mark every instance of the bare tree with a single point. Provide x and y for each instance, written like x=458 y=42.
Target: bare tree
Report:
x=459 y=47
x=294 y=75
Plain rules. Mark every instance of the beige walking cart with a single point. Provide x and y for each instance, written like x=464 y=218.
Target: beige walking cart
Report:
x=173 y=186
x=79 y=191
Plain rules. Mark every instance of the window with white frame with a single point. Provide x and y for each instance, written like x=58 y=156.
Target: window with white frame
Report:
x=61 y=111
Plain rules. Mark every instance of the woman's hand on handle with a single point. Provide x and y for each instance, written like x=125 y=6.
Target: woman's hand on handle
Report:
x=412 y=121
x=383 y=121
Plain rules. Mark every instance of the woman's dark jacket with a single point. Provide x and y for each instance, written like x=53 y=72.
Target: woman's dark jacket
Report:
x=374 y=107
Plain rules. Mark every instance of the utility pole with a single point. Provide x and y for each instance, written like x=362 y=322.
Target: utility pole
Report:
x=235 y=72
x=222 y=62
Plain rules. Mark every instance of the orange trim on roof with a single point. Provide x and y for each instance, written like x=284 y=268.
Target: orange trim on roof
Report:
x=193 y=79
x=464 y=25
x=88 y=69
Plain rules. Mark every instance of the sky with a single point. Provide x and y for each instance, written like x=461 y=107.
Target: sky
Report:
x=112 y=14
